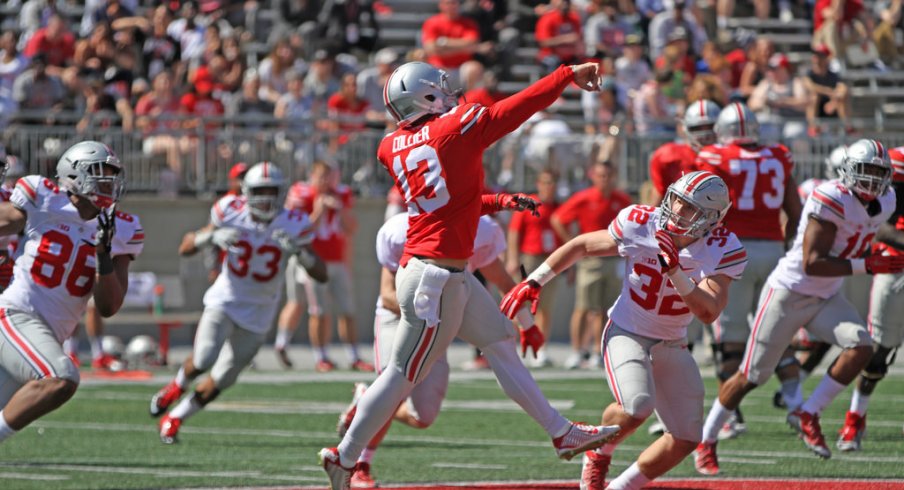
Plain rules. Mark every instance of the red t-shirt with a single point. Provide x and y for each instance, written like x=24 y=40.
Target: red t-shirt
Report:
x=329 y=239
x=149 y=102
x=669 y=162
x=438 y=166
x=442 y=26
x=349 y=115
x=756 y=179
x=482 y=96
x=736 y=60
x=687 y=65
x=552 y=24
x=58 y=52
x=535 y=234
x=591 y=209
x=851 y=10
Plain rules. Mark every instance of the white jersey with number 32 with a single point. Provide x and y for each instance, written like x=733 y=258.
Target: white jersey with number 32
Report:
x=248 y=288
x=649 y=305
x=54 y=272
x=855 y=230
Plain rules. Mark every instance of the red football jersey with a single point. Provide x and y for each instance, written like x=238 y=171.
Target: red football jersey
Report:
x=897 y=163
x=756 y=179
x=329 y=239
x=438 y=166
x=669 y=162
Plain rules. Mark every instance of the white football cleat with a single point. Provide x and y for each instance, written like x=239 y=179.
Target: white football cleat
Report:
x=582 y=437
x=340 y=476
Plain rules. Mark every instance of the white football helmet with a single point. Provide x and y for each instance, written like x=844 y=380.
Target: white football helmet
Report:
x=113 y=345
x=834 y=162
x=142 y=350
x=80 y=171
x=867 y=168
x=417 y=89
x=265 y=189
x=737 y=125
x=704 y=202
x=699 y=123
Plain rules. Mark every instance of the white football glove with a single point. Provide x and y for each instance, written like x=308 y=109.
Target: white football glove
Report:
x=287 y=243
x=223 y=238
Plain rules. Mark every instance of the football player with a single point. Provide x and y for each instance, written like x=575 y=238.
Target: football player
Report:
x=886 y=312
x=435 y=158
x=761 y=186
x=258 y=235
x=680 y=264
x=841 y=218
x=75 y=246
x=674 y=159
x=422 y=406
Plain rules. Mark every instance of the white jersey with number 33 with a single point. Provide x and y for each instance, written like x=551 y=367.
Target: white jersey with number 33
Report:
x=54 y=272
x=248 y=288
x=833 y=203
x=649 y=305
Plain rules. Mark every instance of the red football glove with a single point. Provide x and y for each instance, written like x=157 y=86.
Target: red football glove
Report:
x=533 y=338
x=668 y=259
x=524 y=291
x=884 y=264
x=518 y=202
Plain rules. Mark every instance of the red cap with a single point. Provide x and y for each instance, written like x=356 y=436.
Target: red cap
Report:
x=204 y=86
x=238 y=170
x=822 y=50
x=779 y=60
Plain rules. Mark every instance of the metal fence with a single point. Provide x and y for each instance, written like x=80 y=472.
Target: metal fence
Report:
x=196 y=161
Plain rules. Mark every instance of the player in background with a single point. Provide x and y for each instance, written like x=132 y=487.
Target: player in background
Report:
x=885 y=316
x=530 y=240
x=329 y=205
x=422 y=406
x=258 y=235
x=841 y=218
x=680 y=264
x=436 y=160
x=75 y=246
x=762 y=187
x=675 y=158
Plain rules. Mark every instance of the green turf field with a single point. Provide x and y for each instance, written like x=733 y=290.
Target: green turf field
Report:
x=268 y=434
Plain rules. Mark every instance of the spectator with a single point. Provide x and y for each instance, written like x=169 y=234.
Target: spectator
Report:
x=469 y=75
x=450 y=39
x=530 y=240
x=549 y=139
x=486 y=93
x=665 y=23
x=294 y=106
x=889 y=14
x=34 y=15
x=835 y=22
x=707 y=86
x=199 y=102
x=159 y=51
x=675 y=57
x=55 y=42
x=188 y=32
x=273 y=69
x=254 y=110
x=493 y=24
x=12 y=64
x=725 y=10
x=605 y=32
x=780 y=102
x=631 y=70
x=97 y=50
x=653 y=112
x=756 y=66
x=372 y=80
x=648 y=10
x=597 y=284
x=36 y=89
x=156 y=114
x=604 y=109
x=107 y=11
x=558 y=33
x=351 y=22
x=295 y=14
x=346 y=111
x=101 y=110
x=829 y=96
x=322 y=80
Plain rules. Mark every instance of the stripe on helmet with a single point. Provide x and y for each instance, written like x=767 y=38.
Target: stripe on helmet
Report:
x=387 y=102
x=704 y=175
x=266 y=170
x=880 y=150
x=743 y=128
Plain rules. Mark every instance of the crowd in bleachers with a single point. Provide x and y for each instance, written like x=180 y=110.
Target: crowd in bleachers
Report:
x=157 y=68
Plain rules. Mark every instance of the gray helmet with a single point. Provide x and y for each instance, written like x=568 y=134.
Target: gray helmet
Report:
x=867 y=168
x=737 y=125
x=705 y=193
x=699 y=122
x=834 y=162
x=417 y=89
x=80 y=171
x=264 y=175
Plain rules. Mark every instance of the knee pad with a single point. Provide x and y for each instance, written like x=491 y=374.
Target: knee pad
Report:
x=640 y=406
x=723 y=357
x=786 y=362
x=878 y=365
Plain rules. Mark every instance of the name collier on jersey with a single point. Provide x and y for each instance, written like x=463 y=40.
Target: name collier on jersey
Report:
x=400 y=143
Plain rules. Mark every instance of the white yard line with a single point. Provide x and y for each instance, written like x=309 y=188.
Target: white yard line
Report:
x=470 y=466
x=167 y=473
x=28 y=476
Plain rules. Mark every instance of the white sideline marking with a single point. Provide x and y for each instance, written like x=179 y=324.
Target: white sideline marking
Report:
x=746 y=461
x=470 y=466
x=169 y=473
x=27 y=476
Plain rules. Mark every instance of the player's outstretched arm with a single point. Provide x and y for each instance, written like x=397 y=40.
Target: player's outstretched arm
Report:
x=194 y=240
x=792 y=208
x=12 y=219
x=818 y=239
x=708 y=299
x=311 y=262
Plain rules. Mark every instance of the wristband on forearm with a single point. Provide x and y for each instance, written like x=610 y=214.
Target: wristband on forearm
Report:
x=104 y=264
x=683 y=284
x=542 y=274
x=858 y=266
x=203 y=238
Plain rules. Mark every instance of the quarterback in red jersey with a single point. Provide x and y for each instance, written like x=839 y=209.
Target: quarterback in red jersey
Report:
x=436 y=160
x=674 y=159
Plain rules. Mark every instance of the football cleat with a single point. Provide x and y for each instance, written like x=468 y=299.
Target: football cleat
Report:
x=340 y=476
x=778 y=400
x=283 y=357
x=850 y=435
x=362 y=478
x=169 y=429
x=807 y=426
x=705 y=460
x=324 y=366
x=164 y=398
x=581 y=437
x=574 y=361
x=363 y=366
x=107 y=362
x=594 y=470
x=347 y=415
x=732 y=428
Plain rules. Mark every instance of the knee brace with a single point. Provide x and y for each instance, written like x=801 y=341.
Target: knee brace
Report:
x=877 y=368
x=786 y=362
x=723 y=357
x=815 y=356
